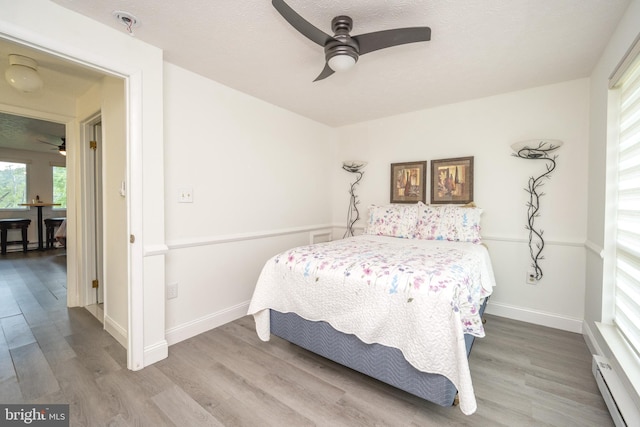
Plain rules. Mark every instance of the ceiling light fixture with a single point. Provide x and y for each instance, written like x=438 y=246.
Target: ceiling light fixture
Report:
x=341 y=62
x=63 y=147
x=22 y=74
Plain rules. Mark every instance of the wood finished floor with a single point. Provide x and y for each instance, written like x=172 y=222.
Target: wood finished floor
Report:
x=523 y=375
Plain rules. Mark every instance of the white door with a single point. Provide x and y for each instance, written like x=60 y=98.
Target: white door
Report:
x=93 y=214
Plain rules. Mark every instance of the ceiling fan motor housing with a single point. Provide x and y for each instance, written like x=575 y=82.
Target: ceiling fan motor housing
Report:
x=341 y=43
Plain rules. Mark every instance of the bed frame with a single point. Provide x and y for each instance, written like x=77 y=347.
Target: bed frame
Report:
x=383 y=363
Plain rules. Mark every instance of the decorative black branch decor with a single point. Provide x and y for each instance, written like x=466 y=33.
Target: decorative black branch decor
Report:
x=353 y=214
x=536 y=150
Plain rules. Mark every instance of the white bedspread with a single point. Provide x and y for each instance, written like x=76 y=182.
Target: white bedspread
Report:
x=415 y=295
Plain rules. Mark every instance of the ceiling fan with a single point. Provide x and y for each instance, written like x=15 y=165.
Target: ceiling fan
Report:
x=343 y=50
x=62 y=148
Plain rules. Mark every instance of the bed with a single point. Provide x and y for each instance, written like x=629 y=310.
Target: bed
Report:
x=401 y=303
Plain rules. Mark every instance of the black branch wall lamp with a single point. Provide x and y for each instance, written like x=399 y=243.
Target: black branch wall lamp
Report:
x=536 y=149
x=353 y=166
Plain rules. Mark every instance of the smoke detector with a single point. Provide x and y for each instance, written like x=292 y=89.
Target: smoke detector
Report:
x=127 y=19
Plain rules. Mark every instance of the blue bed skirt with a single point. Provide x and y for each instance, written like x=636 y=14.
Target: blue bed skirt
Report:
x=377 y=361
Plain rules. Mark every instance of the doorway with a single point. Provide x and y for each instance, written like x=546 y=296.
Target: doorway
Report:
x=88 y=103
x=139 y=66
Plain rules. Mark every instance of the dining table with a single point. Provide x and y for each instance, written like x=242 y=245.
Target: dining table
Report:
x=39 y=206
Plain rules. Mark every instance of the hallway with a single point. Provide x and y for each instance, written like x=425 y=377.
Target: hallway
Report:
x=39 y=332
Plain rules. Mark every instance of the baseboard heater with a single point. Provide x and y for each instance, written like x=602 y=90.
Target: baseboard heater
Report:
x=623 y=410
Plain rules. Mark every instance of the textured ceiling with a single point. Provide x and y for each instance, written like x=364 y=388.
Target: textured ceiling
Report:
x=478 y=48
x=22 y=133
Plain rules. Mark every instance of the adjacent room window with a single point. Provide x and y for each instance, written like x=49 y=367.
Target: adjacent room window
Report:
x=13 y=185
x=60 y=186
x=627 y=207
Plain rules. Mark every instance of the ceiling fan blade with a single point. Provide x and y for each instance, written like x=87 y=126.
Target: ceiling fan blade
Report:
x=300 y=24
x=388 y=38
x=47 y=142
x=326 y=72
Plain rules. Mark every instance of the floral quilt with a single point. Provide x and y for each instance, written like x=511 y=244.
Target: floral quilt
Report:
x=420 y=296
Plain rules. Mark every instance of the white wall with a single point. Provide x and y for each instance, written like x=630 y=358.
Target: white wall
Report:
x=115 y=229
x=261 y=181
x=485 y=128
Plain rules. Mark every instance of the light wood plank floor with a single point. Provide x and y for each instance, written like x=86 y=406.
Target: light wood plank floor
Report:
x=524 y=375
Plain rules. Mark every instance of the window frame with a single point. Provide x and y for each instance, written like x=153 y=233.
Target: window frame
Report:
x=27 y=163
x=625 y=358
x=629 y=67
x=58 y=165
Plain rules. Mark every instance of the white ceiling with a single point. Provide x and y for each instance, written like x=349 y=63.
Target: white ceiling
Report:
x=478 y=48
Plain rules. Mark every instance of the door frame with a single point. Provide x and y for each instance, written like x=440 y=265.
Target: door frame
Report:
x=51 y=28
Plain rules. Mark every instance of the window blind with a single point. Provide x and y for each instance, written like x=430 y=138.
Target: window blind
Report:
x=627 y=258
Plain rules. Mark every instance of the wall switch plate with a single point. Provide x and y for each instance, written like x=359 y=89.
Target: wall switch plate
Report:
x=172 y=290
x=531 y=278
x=185 y=195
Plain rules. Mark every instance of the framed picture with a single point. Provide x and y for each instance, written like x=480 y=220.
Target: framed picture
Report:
x=452 y=180
x=409 y=182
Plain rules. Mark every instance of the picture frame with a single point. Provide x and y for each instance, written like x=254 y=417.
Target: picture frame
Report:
x=408 y=182
x=452 y=181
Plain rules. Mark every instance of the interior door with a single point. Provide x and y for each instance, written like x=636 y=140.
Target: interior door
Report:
x=93 y=212
x=97 y=211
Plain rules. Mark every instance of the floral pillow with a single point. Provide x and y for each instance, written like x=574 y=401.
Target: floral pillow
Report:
x=448 y=222
x=392 y=220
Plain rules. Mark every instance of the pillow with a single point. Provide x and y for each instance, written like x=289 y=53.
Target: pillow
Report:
x=448 y=222
x=392 y=220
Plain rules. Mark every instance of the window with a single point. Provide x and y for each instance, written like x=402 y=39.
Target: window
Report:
x=626 y=263
x=13 y=185
x=60 y=186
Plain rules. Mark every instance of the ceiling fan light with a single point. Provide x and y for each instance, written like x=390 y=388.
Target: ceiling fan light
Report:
x=341 y=62
x=22 y=74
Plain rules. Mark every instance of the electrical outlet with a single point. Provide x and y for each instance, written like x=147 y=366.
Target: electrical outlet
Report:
x=172 y=290
x=531 y=277
x=185 y=195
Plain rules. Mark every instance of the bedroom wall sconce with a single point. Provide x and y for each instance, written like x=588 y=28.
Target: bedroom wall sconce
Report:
x=22 y=74
x=353 y=166
x=536 y=149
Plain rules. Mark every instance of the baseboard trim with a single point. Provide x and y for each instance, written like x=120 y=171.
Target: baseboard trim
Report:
x=541 y=318
x=195 y=327
x=155 y=352
x=591 y=341
x=116 y=331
